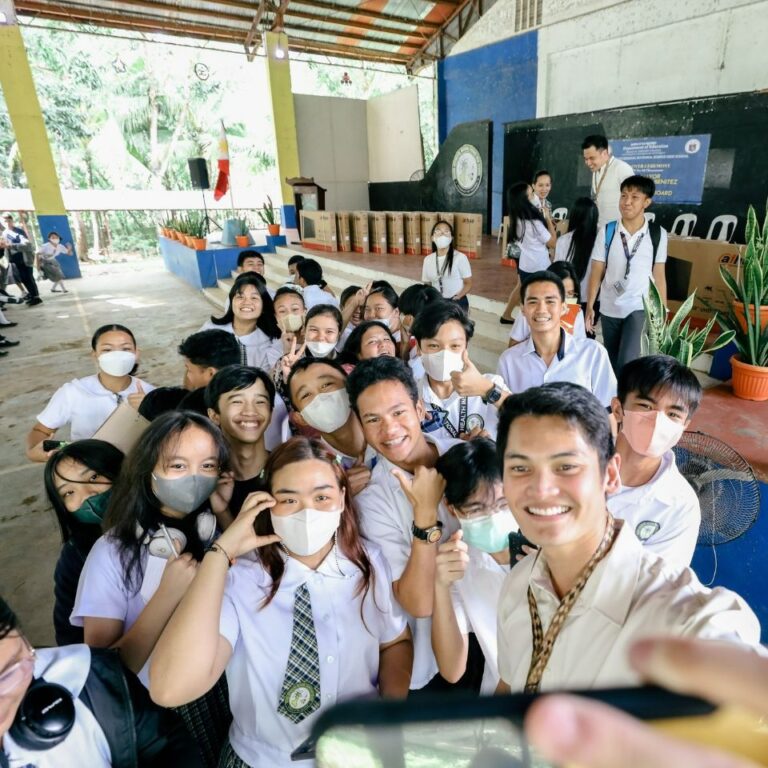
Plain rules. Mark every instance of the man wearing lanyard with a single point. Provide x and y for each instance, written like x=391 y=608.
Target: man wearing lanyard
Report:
x=569 y=612
x=607 y=174
x=627 y=254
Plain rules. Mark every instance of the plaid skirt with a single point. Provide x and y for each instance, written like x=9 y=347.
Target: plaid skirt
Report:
x=230 y=759
x=51 y=270
x=208 y=719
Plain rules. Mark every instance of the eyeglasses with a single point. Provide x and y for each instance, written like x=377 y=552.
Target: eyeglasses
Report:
x=480 y=510
x=12 y=677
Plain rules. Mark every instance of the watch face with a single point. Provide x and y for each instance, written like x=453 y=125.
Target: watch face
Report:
x=434 y=535
x=467 y=169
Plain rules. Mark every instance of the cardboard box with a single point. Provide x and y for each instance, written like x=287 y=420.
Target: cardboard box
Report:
x=412 y=227
x=395 y=233
x=377 y=231
x=469 y=234
x=694 y=264
x=359 y=225
x=428 y=220
x=450 y=218
x=318 y=230
x=343 y=232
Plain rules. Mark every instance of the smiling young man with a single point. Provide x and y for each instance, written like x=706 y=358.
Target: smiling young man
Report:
x=607 y=174
x=657 y=397
x=401 y=509
x=569 y=613
x=550 y=354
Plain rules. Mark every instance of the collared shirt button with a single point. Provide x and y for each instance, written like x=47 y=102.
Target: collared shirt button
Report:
x=329 y=659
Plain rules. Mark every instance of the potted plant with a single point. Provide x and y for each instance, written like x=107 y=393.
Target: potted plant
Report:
x=196 y=223
x=677 y=338
x=267 y=215
x=242 y=232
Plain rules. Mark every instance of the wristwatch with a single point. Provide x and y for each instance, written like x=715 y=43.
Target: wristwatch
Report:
x=492 y=396
x=431 y=535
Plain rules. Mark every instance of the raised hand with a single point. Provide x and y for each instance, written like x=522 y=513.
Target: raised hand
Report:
x=469 y=382
x=452 y=560
x=178 y=575
x=288 y=361
x=241 y=536
x=135 y=399
x=424 y=492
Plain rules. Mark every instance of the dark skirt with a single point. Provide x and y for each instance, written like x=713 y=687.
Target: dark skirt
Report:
x=230 y=759
x=208 y=719
x=51 y=270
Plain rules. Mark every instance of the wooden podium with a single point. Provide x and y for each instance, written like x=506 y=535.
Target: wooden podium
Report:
x=307 y=196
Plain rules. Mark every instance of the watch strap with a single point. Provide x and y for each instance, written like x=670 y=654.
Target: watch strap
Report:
x=423 y=533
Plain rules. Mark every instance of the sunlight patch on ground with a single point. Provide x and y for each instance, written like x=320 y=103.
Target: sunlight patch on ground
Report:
x=134 y=303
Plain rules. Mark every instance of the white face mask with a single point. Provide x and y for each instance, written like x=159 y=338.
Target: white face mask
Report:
x=117 y=363
x=571 y=300
x=440 y=365
x=328 y=412
x=443 y=241
x=291 y=323
x=321 y=348
x=307 y=531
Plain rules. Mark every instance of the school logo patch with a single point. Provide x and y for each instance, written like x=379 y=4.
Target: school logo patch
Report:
x=475 y=420
x=646 y=529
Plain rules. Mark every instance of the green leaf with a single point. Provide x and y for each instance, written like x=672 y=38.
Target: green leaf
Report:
x=681 y=314
x=751 y=226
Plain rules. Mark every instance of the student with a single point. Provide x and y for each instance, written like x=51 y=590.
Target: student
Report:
x=381 y=304
x=627 y=254
x=351 y=313
x=551 y=354
x=163 y=399
x=317 y=582
x=447 y=269
x=48 y=265
x=412 y=300
x=250 y=318
x=167 y=493
x=542 y=186
x=459 y=401
x=76 y=706
x=309 y=275
x=608 y=173
x=290 y=313
x=401 y=509
x=240 y=401
x=19 y=248
x=656 y=399
x=78 y=481
x=472 y=564
x=320 y=401
x=558 y=463
x=576 y=245
x=85 y=404
x=371 y=338
x=249 y=261
x=572 y=321
x=293 y=262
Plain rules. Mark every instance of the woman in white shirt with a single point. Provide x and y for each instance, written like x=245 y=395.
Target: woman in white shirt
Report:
x=447 y=269
x=86 y=403
x=305 y=618
x=251 y=318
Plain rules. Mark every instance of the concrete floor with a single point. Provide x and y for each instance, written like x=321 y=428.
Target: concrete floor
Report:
x=55 y=344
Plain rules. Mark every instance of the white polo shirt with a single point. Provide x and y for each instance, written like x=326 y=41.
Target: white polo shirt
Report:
x=533 y=237
x=521 y=330
x=314 y=294
x=613 y=303
x=260 y=351
x=583 y=362
x=607 y=200
x=85 y=404
x=453 y=281
x=86 y=743
x=348 y=646
x=664 y=513
x=632 y=594
x=455 y=415
x=386 y=517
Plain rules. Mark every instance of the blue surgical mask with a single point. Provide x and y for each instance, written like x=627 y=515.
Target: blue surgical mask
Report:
x=489 y=533
x=92 y=510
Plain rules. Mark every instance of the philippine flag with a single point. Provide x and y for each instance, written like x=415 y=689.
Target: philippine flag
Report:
x=222 y=182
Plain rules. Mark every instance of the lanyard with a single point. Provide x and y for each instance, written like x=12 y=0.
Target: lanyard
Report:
x=629 y=256
x=596 y=188
x=439 y=274
x=440 y=415
x=544 y=643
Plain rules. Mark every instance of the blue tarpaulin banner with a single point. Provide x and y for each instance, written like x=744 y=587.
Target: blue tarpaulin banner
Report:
x=676 y=163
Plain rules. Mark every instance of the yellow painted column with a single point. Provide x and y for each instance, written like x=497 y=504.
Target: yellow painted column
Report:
x=284 y=116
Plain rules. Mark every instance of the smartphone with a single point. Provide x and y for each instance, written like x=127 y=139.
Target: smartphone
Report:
x=53 y=445
x=516 y=543
x=305 y=750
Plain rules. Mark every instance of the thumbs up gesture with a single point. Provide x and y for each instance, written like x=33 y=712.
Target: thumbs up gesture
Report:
x=135 y=399
x=452 y=560
x=469 y=382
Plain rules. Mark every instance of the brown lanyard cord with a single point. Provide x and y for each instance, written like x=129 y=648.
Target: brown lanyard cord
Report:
x=543 y=644
x=597 y=186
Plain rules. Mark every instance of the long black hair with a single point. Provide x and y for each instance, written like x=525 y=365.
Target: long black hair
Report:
x=448 y=266
x=565 y=269
x=266 y=321
x=133 y=502
x=98 y=455
x=521 y=209
x=583 y=224
x=354 y=343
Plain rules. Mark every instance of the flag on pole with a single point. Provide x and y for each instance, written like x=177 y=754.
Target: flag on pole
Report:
x=222 y=182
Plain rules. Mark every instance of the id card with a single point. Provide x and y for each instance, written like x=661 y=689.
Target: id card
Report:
x=618 y=286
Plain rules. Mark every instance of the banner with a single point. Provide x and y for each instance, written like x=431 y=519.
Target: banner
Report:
x=676 y=163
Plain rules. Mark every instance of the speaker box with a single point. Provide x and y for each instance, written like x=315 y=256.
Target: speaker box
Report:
x=198 y=172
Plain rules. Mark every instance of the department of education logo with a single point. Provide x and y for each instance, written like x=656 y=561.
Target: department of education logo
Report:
x=646 y=529
x=299 y=696
x=692 y=146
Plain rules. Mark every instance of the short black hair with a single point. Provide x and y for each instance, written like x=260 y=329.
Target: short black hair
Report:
x=211 y=349
x=542 y=172
x=347 y=294
x=385 y=289
x=249 y=254
x=415 y=297
x=369 y=372
x=161 y=400
x=466 y=467
x=659 y=373
x=571 y=402
x=295 y=259
x=310 y=271
x=52 y=233
x=643 y=184
x=542 y=276
x=429 y=321
x=236 y=377
x=596 y=140
x=284 y=290
x=8 y=620
x=354 y=343
x=307 y=362
x=324 y=309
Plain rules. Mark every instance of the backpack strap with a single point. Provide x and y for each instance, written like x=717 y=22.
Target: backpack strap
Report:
x=654 y=230
x=610 y=232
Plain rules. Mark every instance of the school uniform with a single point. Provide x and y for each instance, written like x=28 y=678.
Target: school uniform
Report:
x=260 y=638
x=314 y=294
x=664 y=513
x=346 y=461
x=386 y=517
x=532 y=237
x=49 y=266
x=579 y=361
x=448 y=283
x=85 y=404
x=259 y=350
x=457 y=415
x=606 y=188
x=572 y=322
x=631 y=594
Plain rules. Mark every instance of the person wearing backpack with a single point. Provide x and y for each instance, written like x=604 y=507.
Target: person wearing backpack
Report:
x=627 y=254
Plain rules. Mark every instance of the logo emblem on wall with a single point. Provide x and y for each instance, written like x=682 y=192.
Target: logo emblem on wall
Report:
x=467 y=169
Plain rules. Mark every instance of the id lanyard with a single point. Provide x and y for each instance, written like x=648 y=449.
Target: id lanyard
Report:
x=439 y=276
x=629 y=256
x=596 y=187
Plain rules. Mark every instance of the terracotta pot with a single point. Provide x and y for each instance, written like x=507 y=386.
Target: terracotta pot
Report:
x=738 y=308
x=273 y=229
x=242 y=241
x=199 y=243
x=189 y=241
x=750 y=382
